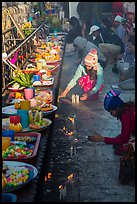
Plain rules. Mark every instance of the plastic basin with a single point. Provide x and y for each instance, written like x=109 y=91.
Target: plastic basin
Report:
x=9 y=197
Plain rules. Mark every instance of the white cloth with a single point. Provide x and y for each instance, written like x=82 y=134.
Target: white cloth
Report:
x=129 y=6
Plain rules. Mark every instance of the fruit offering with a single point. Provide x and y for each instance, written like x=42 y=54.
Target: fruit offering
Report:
x=19 y=95
x=16 y=127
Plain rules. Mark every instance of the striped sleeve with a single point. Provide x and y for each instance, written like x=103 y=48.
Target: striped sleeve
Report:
x=78 y=73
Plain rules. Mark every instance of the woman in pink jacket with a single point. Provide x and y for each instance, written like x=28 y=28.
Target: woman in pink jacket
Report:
x=123 y=111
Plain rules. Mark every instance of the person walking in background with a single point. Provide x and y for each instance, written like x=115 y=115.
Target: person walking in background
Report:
x=89 y=75
x=84 y=10
x=123 y=111
x=75 y=30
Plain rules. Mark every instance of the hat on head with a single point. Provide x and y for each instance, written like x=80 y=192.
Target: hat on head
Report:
x=93 y=28
x=93 y=52
x=91 y=58
x=112 y=100
x=80 y=42
x=118 y=18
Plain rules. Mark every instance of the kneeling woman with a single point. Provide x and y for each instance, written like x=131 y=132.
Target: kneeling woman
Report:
x=123 y=111
x=89 y=75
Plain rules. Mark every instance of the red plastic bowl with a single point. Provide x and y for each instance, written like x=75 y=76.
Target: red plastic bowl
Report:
x=15 y=119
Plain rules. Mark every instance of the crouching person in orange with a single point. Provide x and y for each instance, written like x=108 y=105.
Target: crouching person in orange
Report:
x=123 y=111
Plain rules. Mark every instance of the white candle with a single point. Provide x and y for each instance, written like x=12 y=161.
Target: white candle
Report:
x=75 y=152
x=71 y=151
x=73 y=98
x=77 y=98
x=60 y=194
x=64 y=192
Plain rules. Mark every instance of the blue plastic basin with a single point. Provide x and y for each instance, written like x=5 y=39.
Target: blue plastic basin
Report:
x=9 y=197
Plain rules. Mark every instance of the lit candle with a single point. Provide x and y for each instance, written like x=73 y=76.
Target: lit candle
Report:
x=71 y=180
x=70 y=176
x=60 y=192
x=73 y=98
x=71 y=150
x=49 y=175
x=72 y=120
x=75 y=140
x=46 y=179
x=77 y=98
x=64 y=192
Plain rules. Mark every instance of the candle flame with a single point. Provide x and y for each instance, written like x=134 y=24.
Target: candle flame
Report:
x=49 y=175
x=71 y=119
x=70 y=176
x=67 y=132
x=60 y=187
x=56 y=115
x=46 y=178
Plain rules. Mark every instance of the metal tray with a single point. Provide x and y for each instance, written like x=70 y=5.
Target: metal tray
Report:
x=35 y=142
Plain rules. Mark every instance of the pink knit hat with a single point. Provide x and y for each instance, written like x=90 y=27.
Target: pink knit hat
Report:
x=91 y=58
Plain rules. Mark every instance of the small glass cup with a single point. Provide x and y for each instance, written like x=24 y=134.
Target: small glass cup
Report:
x=39 y=65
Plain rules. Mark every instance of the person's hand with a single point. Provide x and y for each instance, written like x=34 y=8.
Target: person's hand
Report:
x=96 y=138
x=62 y=95
x=84 y=97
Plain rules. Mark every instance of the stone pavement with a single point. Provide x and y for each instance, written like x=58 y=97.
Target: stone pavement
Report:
x=89 y=171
